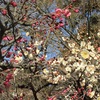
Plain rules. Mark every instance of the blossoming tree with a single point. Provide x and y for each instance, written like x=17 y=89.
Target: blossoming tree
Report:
x=31 y=31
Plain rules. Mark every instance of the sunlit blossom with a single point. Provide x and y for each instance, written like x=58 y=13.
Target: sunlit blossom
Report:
x=85 y=54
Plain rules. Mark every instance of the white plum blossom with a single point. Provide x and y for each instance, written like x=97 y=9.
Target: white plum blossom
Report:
x=30 y=56
x=25 y=53
x=84 y=53
x=71 y=45
x=68 y=69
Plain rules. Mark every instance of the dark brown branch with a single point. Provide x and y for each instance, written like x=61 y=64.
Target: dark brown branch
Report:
x=45 y=86
x=4 y=67
x=23 y=86
x=2 y=31
x=33 y=90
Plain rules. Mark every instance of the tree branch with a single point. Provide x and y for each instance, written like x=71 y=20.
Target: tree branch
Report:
x=2 y=31
x=33 y=90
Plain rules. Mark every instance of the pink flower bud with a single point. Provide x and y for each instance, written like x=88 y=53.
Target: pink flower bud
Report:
x=6 y=84
x=76 y=10
x=66 y=11
x=61 y=24
x=68 y=15
x=9 y=54
x=4 y=12
x=42 y=58
x=9 y=76
x=53 y=16
x=13 y=3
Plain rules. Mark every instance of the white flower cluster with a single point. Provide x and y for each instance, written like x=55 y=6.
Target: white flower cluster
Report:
x=84 y=60
x=53 y=77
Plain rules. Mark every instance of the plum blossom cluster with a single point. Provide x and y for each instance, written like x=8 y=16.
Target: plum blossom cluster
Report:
x=4 y=11
x=57 y=18
x=62 y=14
x=17 y=53
x=53 y=76
x=6 y=82
x=30 y=51
x=82 y=62
x=8 y=79
x=85 y=58
x=66 y=12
